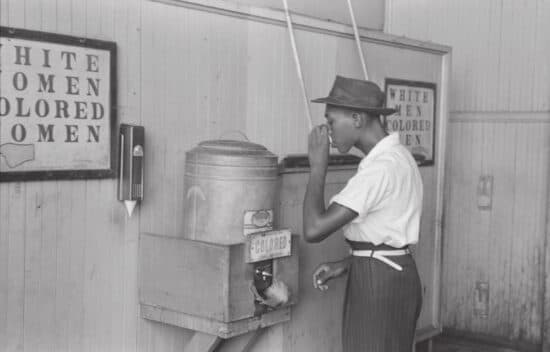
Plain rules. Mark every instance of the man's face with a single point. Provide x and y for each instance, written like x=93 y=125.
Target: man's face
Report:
x=342 y=128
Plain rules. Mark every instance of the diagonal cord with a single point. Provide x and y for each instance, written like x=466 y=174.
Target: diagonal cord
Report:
x=297 y=62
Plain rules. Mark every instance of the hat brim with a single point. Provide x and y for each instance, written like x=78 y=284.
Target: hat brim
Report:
x=336 y=102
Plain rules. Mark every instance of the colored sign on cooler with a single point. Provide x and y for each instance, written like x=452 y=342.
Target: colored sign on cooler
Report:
x=267 y=245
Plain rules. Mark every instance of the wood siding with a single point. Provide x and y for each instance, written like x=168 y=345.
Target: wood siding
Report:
x=368 y=14
x=500 y=49
x=68 y=255
x=504 y=245
x=68 y=251
x=500 y=126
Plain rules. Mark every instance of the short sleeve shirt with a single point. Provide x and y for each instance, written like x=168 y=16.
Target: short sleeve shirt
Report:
x=386 y=193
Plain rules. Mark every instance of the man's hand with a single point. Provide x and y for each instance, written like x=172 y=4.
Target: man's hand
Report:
x=326 y=272
x=318 y=147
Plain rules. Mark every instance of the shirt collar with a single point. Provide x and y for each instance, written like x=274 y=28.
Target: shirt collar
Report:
x=383 y=145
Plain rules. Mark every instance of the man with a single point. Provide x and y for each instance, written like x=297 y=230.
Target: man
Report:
x=379 y=212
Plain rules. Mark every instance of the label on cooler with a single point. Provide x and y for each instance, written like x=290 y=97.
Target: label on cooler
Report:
x=267 y=245
x=257 y=221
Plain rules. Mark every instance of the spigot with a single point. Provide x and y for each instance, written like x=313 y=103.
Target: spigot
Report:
x=263 y=273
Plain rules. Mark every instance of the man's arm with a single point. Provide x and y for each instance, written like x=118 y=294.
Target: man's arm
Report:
x=328 y=271
x=318 y=221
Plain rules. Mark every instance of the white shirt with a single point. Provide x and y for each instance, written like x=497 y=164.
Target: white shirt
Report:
x=386 y=193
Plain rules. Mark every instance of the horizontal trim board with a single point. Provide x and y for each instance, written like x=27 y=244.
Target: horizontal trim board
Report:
x=500 y=117
x=277 y=17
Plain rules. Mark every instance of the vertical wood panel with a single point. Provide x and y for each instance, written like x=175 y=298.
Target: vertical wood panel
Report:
x=66 y=282
x=4 y=267
x=114 y=215
x=17 y=13
x=540 y=68
x=485 y=48
x=33 y=14
x=492 y=267
x=41 y=16
x=490 y=78
x=501 y=246
x=502 y=160
x=152 y=44
x=207 y=88
x=33 y=243
x=173 y=115
x=276 y=114
x=489 y=72
x=4 y=11
x=92 y=19
x=312 y=328
x=48 y=264
x=458 y=196
x=16 y=265
x=78 y=18
x=63 y=10
x=93 y=234
x=98 y=307
x=526 y=33
x=70 y=267
x=49 y=18
x=448 y=290
x=488 y=67
x=161 y=28
x=528 y=231
x=15 y=225
x=545 y=269
x=127 y=18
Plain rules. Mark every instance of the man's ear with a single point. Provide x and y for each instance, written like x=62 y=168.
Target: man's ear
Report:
x=358 y=119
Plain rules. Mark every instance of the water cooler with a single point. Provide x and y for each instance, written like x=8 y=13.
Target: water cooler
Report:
x=232 y=270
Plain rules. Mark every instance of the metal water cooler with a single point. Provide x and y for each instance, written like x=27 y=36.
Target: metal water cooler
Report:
x=232 y=270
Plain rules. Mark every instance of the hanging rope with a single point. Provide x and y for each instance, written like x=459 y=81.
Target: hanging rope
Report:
x=297 y=58
x=297 y=62
x=357 y=40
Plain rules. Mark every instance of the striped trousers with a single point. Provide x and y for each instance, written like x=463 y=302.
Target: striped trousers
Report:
x=382 y=304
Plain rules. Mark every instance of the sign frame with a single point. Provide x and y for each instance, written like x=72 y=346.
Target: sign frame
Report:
x=432 y=87
x=110 y=47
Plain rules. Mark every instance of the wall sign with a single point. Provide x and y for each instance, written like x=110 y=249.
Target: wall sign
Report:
x=57 y=106
x=415 y=116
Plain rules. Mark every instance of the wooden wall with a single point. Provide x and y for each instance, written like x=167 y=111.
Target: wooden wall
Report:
x=68 y=266
x=499 y=126
x=368 y=14
x=68 y=251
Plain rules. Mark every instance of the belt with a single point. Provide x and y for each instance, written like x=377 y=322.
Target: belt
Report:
x=381 y=255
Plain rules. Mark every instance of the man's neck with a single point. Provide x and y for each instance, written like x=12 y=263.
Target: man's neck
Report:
x=371 y=137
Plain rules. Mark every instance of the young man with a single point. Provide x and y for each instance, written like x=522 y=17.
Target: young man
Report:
x=379 y=212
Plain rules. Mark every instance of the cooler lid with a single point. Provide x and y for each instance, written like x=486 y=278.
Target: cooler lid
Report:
x=232 y=151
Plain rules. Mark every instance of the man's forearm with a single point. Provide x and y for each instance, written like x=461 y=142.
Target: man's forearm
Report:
x=314 y=204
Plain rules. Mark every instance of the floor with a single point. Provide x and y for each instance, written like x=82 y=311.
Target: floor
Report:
x=442 y=344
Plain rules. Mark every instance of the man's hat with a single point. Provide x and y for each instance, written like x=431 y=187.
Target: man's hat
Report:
x=356 y=94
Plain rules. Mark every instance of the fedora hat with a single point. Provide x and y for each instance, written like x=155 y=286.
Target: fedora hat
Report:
x=356 y=94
